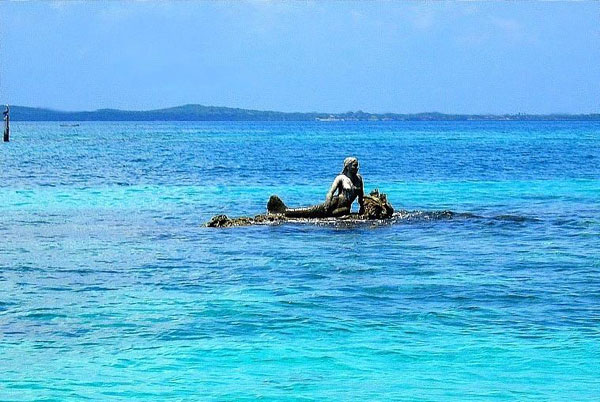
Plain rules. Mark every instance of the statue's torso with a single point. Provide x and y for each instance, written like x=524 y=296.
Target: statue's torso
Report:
x=348 y=189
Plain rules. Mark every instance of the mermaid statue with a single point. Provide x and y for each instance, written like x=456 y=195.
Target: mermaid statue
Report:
x=347 y=187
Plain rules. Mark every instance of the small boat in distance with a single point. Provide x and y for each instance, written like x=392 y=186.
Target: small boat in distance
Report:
x=70 y=125
x=329 y=118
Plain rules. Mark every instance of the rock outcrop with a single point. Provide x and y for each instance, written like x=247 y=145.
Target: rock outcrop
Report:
x=376 y=207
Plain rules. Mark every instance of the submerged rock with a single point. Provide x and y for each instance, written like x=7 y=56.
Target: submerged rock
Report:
x=223 y=221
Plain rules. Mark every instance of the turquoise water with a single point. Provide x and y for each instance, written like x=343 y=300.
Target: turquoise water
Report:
x=111 y=288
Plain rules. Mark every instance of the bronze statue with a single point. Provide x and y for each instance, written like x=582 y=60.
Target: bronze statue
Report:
x=347 y=187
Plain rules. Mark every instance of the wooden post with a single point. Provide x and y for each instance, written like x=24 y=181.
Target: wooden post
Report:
x=7 y=124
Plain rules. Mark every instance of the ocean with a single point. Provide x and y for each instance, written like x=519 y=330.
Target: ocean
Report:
x=111 y=288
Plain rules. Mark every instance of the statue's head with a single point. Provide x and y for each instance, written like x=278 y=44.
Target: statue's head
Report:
x=350 y=165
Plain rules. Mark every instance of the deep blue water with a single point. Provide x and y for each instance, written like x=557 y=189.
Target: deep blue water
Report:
x=111 y=287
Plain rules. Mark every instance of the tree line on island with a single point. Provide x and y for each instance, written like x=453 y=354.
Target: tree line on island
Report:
x=215 y=113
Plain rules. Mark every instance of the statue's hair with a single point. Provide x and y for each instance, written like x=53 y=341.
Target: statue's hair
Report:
x=347 y=162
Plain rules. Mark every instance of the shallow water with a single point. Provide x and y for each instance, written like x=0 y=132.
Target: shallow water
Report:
x=111 y=287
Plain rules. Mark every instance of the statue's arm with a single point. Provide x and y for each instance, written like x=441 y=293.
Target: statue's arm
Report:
x=332 y=190
x=361 y=196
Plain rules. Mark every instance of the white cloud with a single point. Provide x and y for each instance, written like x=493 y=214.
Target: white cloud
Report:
x=513 y=30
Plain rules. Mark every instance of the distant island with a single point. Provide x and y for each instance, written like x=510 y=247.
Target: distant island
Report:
x=214 y=113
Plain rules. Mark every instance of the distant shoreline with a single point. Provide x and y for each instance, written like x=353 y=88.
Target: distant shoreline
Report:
x=214 y=113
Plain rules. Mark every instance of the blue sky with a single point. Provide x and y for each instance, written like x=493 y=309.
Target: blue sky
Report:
x=455 y=57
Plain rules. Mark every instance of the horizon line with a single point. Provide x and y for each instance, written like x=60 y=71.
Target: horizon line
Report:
x=358 y=111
